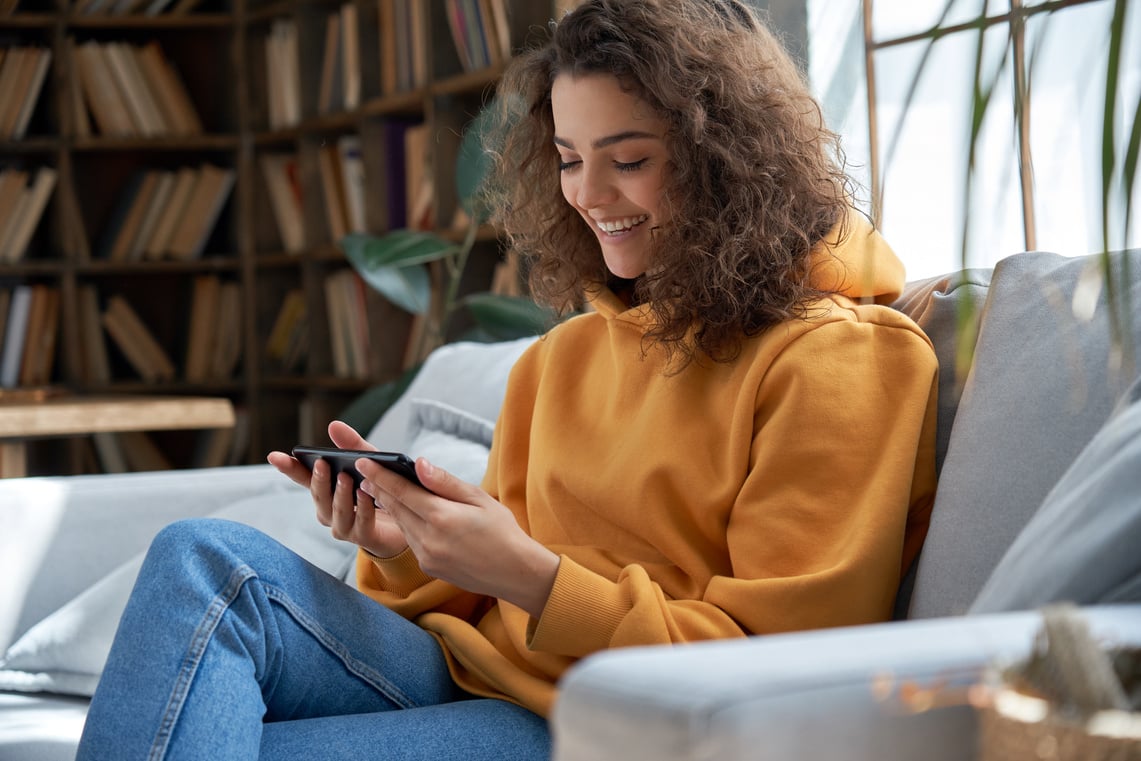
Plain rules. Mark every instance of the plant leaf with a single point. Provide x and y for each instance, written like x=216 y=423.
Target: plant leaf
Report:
x=473 y=165
x=363 y=412
x=399 y=248
x=507 y=317
x=407 y=287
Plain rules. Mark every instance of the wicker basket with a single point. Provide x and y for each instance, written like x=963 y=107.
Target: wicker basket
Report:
x=1072 y=700
x=1016 y=727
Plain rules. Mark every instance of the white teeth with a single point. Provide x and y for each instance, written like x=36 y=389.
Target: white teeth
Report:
x=622 y=225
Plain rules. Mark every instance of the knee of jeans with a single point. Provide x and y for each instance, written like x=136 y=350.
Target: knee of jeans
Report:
x=192 y=538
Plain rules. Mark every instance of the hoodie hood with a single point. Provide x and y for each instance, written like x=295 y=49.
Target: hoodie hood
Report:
x=859 y=265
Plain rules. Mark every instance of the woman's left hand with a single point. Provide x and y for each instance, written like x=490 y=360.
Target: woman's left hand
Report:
x=461 y=535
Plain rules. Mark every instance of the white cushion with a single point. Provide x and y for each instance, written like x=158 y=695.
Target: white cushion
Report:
x=65 y=652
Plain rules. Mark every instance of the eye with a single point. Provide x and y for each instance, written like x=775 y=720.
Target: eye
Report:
x=567 y=165
x=630 y=166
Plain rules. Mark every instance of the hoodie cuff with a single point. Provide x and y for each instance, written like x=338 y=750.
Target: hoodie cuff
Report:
x=581 y=615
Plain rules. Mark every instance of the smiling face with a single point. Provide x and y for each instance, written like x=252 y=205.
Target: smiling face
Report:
x=613 y=159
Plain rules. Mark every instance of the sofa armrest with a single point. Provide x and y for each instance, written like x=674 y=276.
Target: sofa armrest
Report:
x=807 y=696
x=58 y=534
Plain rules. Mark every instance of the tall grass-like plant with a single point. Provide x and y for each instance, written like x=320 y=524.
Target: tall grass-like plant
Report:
x=1118 y=172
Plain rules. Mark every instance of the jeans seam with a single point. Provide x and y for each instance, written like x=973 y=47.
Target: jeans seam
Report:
x=194 y=653
x=362 y=670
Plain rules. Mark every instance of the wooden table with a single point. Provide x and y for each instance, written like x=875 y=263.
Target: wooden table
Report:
x=25 y=419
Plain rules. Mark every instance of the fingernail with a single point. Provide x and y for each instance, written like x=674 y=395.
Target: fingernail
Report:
x=366 y=487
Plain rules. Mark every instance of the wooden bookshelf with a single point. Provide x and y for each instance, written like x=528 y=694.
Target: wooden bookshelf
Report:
x=147 y=109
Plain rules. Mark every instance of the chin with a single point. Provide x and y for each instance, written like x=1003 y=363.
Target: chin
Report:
x=627 y=270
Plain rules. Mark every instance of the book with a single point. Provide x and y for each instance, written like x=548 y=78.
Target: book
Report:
x=144 y=115
x=173 y=211
x=284 y=72
x=31 y=211
x=123 y=230
x=136 y=343
x=203 y=332
x=459 y=33
x=328 y=97
x=31 y=93
x=202 y=211
x=11 y=71
x=501 y=48
x=212 y=448
x=332 y=191
x=96 y=367
x=389 y=53
x=286 y=325
x=339 y=342
x=155 y=207
x=228 y=332
x=77 y=108
x=43 y=330
x=285 y=203
x=13 y=183
x=109 y=453
x=15 y=334
x=352 y=176
x=141 y=452
x=418 y=178
x=28 y=354
x=5 y=303
x=350 y=57
x=101 y=92
x=164 y=82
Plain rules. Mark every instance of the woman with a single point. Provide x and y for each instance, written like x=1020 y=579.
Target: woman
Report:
x=736 y=440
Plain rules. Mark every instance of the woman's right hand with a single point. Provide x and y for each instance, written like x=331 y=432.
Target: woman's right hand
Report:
x=350 y=517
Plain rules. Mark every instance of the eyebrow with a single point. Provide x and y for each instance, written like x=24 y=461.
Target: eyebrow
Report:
x=603 y=142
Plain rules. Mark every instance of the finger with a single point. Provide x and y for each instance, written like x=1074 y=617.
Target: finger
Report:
x=384 y=482
x=345 y=437
x=344 y=508
x=320 y=489
x=290 y=467
x=365 y=525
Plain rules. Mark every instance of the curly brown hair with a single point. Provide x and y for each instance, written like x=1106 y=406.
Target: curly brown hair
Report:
x=756 y=175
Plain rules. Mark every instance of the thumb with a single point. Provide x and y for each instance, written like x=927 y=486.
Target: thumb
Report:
x=345 y=437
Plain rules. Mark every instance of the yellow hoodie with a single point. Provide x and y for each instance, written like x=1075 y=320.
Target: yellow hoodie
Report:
x=784 y=490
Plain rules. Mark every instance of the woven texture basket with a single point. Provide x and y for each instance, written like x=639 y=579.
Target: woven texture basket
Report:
x=1072 y=700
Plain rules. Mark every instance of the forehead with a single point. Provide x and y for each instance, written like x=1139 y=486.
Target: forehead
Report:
x=595 y=105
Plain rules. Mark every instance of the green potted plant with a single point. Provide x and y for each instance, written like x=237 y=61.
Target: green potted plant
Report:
x=398 y=264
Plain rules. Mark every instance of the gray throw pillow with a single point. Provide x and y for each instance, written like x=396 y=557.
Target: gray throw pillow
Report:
x=945 y=307
x=1040 y=386
x=1084 y=543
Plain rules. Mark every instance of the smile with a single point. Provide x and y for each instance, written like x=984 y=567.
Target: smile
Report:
x=619 y=226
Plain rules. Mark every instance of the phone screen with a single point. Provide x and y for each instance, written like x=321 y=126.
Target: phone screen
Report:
x=341 y=461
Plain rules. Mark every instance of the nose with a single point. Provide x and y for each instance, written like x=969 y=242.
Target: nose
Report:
x=595 y=188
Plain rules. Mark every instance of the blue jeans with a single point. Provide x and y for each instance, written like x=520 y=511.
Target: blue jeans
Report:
x=234 y=647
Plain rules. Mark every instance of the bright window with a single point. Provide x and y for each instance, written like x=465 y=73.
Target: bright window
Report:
x=1034 y=186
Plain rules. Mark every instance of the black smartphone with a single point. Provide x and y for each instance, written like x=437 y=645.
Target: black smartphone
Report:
x=341 y=461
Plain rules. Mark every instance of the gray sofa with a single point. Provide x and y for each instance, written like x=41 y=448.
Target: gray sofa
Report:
x=1039 y=500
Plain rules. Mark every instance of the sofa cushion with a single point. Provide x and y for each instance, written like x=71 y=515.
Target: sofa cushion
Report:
x=947 y=308
x=466 y=375
x=1040 y=386
x=1084 y=543
x=64 y=653
x=457 y=441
